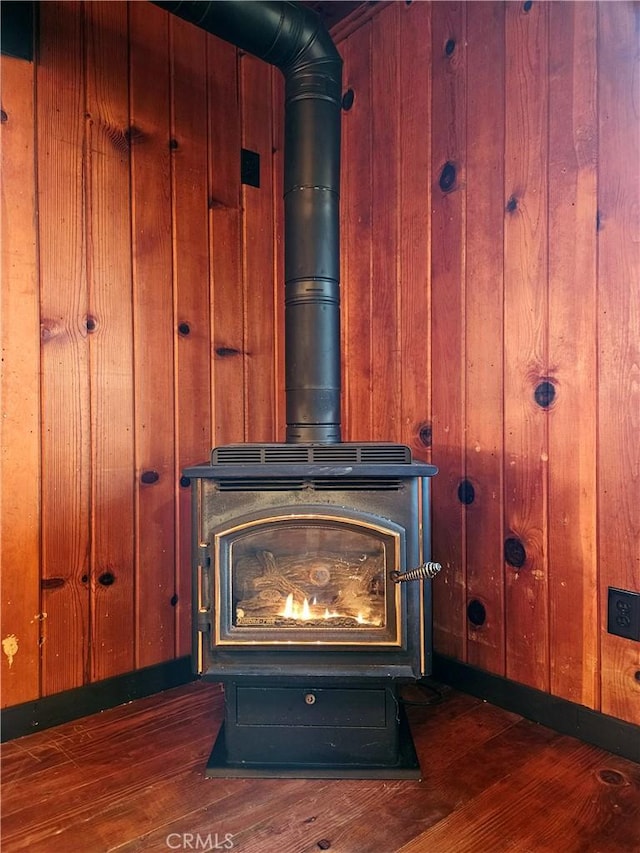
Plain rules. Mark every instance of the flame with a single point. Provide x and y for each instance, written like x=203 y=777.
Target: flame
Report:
x=288 y=607
x=333 y=614
x=292 y=609
x=303 y=613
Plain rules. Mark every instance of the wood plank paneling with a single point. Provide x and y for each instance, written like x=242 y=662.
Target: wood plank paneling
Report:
x=414 y=244
x=447 y=325
x=572 y=353
x=258 y=257
x=459 y=302
x=482 y=490
x=109 y=326
x=153 y=313
x=66 y=426
x=19 y=390
x=356 y=241
x=619 y=342
x=189 y=154
x=525 y=343
x=385 y=290
x=277 y=166
x=225 y=238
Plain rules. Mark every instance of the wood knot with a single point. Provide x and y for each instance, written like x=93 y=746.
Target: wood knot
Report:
x=466 y=492
x=49 y=329
x=52 y=583
x=448 y=176
x=512 y=204
x=545 y=393
x=133 y=135
x=514 y=553
x=611 y=777
x=425 y=435
x=476 y=612
x=347 y=100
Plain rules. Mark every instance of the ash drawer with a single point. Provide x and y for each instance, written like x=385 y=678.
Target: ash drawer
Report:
x=298 y=706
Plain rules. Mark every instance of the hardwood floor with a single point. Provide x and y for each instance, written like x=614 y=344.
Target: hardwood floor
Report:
x=132 y=779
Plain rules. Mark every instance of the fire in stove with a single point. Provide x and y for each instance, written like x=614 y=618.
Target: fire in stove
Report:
x=301 y=590
x=310 y=613
x=345 y=590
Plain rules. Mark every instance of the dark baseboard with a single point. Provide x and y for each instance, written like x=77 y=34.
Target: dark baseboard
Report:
x=70 y=705
x=610 y=733
x=601 y=730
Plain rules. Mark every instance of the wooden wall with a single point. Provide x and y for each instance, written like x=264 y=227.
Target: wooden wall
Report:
x=137 y=330
x=491 y=320
x=491 y=279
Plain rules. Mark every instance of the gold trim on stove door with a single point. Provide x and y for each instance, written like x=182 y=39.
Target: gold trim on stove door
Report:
x=264 y=521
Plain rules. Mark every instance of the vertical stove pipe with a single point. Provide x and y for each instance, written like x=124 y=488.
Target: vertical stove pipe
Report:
x=293 y=38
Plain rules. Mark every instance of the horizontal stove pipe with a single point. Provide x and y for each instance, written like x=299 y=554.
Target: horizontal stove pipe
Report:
x=293 y=38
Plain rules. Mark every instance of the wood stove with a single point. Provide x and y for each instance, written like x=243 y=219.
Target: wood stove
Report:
x=311 y=558
x=301 y=607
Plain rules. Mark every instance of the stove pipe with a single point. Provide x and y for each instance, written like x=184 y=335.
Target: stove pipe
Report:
x=294 y=39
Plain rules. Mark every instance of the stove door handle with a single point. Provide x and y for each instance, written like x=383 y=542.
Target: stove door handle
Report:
x=427 y=571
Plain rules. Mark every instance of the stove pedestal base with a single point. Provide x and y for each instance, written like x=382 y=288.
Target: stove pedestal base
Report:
x=330 y=731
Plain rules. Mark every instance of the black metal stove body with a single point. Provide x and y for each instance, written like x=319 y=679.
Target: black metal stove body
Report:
x=298 y=606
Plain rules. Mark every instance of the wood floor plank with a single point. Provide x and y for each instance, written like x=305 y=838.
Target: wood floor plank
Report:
x=175 y=747
x=320 y=817
x=80 y=738
x=246 y=806
x=445 y=740
x=132 y=779
x=113 y=722
x=448 y=787
x=548 y=805
x=18 y=761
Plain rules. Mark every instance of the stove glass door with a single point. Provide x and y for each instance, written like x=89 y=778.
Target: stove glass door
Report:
x=308 y=578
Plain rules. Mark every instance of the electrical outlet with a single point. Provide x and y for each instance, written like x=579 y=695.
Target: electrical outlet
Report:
x=624 y=613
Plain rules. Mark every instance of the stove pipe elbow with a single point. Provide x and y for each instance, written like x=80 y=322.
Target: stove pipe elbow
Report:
x=293 y=38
